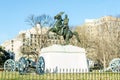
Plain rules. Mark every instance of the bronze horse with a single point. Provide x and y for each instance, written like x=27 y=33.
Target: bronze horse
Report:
x=57 y=28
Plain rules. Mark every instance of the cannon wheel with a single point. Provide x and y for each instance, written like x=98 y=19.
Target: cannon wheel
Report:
x=115 y=65
x=40 y=66
x=9 y=65
x=23 y=65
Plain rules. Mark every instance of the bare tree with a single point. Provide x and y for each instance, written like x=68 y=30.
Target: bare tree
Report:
x=39 y=39
x=105 y=45
x=43 y=20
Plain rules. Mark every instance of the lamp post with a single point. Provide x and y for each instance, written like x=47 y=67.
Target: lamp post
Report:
x=40 y=42
x=12 y=44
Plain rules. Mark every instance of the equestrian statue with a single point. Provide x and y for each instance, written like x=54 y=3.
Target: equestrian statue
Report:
x=61 y=28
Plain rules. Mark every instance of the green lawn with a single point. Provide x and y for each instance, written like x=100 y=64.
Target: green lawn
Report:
x=60 y=76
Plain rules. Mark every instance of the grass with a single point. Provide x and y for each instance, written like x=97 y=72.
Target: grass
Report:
x=60 y=76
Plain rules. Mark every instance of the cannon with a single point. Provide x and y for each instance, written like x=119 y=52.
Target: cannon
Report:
x=114 y=65
x=8 y=60
x=27 y=65
x=9 y=65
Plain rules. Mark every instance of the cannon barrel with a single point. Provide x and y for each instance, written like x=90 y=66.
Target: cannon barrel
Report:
x=26 y=65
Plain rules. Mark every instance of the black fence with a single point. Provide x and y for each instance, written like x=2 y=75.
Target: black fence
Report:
x=64 y=75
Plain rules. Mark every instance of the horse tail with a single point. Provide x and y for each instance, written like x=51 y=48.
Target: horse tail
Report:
x=76 y=35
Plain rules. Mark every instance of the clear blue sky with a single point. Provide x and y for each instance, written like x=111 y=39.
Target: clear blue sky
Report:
x=13 y=13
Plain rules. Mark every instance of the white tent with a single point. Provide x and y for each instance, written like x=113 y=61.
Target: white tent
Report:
x=67 y=57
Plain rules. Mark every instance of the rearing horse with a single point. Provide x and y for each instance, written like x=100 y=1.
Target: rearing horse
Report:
x=57 y=28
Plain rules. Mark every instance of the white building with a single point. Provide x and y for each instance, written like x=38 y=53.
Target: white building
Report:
x=16 y=43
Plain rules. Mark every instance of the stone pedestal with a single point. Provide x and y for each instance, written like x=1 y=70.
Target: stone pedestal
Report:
x=65 y=59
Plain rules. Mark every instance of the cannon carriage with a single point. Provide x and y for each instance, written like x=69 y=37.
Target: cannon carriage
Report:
x=28 y=64
x=8 y=59
x=114 y=65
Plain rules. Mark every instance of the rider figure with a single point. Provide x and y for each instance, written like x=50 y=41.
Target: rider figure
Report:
x=58 y=23
x=65 y=25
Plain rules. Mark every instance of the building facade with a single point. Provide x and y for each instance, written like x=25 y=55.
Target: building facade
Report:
x=31 y=41
x=96 y=27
